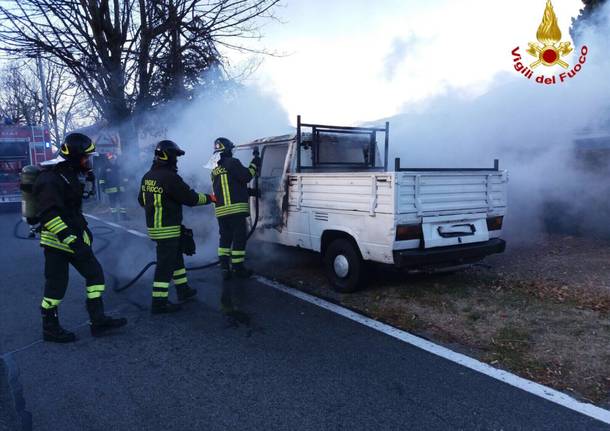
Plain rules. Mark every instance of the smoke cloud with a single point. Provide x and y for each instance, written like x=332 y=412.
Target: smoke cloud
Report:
x=401 y=49
x=240 y=113
x=532 y=129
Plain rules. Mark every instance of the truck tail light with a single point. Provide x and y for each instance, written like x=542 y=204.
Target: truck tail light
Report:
x=494 y=223
x=406 y=232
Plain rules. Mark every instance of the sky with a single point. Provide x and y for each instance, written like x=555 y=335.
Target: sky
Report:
x=352 y=61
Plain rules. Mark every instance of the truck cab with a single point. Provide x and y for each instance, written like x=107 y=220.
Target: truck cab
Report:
x=330 y=189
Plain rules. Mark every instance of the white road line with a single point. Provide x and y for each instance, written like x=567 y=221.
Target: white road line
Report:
x=466 y=361
x=118 y=226
x=136 y=233
x=93 y=217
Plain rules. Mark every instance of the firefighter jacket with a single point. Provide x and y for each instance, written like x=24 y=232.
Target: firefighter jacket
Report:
x=111 y=180
x=162 y=194
x=59 y=197
x=230 y=183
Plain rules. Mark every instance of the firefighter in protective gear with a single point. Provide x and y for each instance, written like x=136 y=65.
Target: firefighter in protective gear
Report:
x=113 y=183
x=230 y=183
x=162 y=194
x=66 y=239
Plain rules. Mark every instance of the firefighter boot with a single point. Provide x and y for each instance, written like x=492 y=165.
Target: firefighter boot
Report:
x=52 y=330
x=241 y=271
x=225 y=268
x=185 y=292
x=100 y=323
x=163 y=306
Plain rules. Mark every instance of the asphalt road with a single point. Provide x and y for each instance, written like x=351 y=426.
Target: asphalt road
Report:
x=272 y=362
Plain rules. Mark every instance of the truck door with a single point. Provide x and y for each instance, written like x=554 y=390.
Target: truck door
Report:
x=271 y=185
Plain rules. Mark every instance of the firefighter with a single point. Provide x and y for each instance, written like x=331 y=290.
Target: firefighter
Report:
x=66 y=239
x=162 y=194
x=113 y=184
x=230 y=183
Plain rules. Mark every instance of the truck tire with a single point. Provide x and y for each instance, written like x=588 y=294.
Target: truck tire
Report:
x=343 y=266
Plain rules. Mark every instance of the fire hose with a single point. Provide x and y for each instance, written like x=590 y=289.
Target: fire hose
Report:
x=120 y=288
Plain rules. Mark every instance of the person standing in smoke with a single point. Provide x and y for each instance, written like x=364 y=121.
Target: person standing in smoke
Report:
x=162 y=194
x=230 y=183
x=113 y=184
x=67 y=240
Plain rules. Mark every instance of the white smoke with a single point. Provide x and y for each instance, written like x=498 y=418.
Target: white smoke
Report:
x=241 y=114
x=237 y=112
x=402 y=48
x=530 y=127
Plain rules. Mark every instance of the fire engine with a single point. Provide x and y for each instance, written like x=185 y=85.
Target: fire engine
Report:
x=20 y=146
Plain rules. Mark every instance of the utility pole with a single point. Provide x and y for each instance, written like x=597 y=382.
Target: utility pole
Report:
x=45 y=102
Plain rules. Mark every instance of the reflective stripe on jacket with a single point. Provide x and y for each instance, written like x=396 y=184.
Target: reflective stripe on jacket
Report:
x=111 y=179
x=230 y=182
x=162 y=194
x=59 y=194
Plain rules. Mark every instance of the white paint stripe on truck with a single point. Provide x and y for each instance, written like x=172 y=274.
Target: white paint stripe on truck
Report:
x=430 y=347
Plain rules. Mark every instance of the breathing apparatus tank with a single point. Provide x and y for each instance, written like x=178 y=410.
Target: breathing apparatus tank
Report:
x=29 y=208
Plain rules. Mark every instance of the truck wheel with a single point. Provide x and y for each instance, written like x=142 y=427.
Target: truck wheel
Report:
x=343 y=266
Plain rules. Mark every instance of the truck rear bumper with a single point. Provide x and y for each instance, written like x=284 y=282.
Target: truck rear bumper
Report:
x=453 y=255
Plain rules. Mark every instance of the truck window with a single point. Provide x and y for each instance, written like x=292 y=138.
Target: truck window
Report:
x=13 y=150
x=340 y=150
x=274 y=157
x=335 y=148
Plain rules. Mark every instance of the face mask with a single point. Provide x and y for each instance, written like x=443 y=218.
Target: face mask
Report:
x=84 y=164
x=213 y=162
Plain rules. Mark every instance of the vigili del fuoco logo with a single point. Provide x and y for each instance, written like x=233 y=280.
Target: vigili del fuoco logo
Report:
x=548 y=52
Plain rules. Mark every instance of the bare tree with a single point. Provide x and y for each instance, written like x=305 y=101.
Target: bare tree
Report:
x=17 y=102
x=69 y=108
x=130 y=55
x=21 y=100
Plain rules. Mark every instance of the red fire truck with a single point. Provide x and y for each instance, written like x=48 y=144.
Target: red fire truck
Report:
x=20 y=146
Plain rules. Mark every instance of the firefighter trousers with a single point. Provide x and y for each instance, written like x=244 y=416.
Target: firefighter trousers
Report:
x=233 y=237
x=116 y=203
x=56 y=270
x=170 y=266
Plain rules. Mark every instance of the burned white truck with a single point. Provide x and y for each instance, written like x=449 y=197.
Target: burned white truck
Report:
x=327 y=189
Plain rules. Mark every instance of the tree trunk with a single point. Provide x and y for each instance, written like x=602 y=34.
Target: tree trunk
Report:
x=128 y=136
